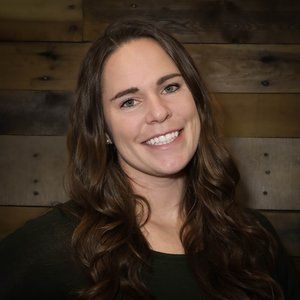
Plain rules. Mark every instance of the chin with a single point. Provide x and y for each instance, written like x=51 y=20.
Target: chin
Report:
x=172 y=170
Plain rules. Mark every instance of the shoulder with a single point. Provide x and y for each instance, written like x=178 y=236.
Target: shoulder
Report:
x=39 y=254
x=284 y=272
x=53 y=225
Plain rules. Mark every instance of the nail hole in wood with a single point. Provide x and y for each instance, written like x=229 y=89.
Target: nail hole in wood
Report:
x=268 y=59
x=133 y=5
x=35 y=155
x=35 y=193
x=266 y=154
x=265 y=193
x=45 y=78
x=73 y=28
x=50 y=55
x=265 y=83
x=71 y=6
x=268 y=172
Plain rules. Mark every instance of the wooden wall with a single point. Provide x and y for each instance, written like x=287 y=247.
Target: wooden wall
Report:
x=248 y=53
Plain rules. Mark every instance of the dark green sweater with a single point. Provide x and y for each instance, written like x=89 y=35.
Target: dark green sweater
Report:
x=36 y=263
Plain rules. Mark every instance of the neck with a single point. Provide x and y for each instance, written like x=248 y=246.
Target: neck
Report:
x=164 y=195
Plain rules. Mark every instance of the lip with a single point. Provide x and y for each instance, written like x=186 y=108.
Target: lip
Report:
x=159 y=134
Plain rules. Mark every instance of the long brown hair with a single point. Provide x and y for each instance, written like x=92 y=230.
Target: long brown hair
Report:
x=108 y=240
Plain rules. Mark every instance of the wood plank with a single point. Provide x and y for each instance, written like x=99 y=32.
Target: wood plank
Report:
x=40 y=20
x=259 y=115
x=270 y=171
x=249 y=68
x=40 y=66
x=226 y=68
x=287 y=225
x=202 y=21
x=34 y=112
x=248 y=5
x=242 y=115
x=12 y=217
x=35 y=175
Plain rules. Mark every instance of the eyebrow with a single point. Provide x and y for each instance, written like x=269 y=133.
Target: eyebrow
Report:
x=133 y=90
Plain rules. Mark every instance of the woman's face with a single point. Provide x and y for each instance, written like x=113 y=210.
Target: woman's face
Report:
x=149 y=110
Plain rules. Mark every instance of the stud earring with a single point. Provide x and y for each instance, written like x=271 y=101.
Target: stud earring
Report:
x=108 y=140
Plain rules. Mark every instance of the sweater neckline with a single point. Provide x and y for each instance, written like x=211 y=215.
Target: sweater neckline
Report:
x=168 y=256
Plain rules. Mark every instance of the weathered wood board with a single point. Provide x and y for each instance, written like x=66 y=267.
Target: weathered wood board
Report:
x=32 y=170
x=259 y=115
x=40 y=66
x=202 y=21
x=225 y=68
x=41 y=20
x=240 y=115
x=249 y=68
x=34 y=112
x=270 y=171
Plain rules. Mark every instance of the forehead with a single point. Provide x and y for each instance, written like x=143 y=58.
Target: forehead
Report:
x=136 y=63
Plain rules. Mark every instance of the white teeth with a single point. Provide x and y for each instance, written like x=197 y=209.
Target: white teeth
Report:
x=163 y=139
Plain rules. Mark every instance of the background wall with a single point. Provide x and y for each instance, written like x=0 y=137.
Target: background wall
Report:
x=248 y=52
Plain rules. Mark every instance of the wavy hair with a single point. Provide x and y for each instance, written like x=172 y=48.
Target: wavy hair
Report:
x=108 y=240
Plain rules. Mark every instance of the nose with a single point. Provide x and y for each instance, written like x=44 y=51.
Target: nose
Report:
x=158 y=111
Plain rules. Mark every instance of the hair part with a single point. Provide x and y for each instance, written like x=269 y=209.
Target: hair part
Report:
x=220 y=239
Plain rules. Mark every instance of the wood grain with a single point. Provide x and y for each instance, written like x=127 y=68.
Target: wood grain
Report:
x=35 y=175
x=240 y=115
x=248 y=68
x=259 y=115
x=34 y=112
x=270 y=171
x=32 y=170
x=202 y=21
x=40 y=66
x=225 y=68
x=39 y=20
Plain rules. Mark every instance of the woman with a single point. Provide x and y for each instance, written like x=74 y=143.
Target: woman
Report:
x=152 y=188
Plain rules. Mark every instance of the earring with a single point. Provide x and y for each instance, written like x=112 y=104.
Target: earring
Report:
x=108 y=140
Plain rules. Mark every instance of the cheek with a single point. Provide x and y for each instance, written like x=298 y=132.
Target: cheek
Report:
x=188 y=110
x=191 y=116
x=123 y=131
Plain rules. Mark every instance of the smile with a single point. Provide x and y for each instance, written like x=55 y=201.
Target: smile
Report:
x=163 y=139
